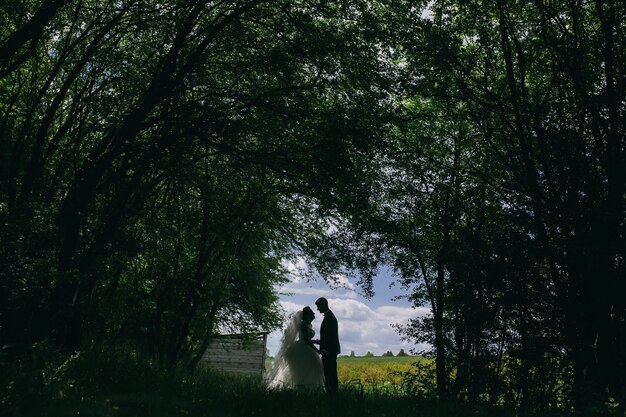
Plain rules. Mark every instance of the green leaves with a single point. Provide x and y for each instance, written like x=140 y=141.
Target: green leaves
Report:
x=161 y=160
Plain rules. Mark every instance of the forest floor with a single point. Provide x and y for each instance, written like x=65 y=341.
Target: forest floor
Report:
x=117 y=384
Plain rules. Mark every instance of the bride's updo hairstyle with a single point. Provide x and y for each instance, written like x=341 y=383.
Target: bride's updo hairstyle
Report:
x=307 y=314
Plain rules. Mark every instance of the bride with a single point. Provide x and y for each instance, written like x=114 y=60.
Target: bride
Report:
x=297 y=363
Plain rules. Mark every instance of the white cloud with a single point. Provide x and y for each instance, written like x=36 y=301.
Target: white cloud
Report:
x=290 y=307
x=298 y=285
x=341 y=281
x=304 y=289
x=295 y=268
x=361 y=327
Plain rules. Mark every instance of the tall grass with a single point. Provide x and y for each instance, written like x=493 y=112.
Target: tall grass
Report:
x=120 y=382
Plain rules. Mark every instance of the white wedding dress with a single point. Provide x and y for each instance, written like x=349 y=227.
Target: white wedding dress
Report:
x=296 y=365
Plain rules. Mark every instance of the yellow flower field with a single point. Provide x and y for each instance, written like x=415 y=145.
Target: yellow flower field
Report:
x=375 y=371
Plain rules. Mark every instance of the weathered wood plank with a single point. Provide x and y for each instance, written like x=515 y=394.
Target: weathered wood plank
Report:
x=237 y=354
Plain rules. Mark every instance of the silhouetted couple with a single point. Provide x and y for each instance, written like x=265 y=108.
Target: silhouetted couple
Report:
x=297 y=363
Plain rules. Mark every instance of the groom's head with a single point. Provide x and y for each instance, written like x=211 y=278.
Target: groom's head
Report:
x=322 y=305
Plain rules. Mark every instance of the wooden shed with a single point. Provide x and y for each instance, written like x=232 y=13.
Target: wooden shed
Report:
x=237 y=353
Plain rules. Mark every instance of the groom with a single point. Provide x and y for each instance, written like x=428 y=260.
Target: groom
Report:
x=329 y=345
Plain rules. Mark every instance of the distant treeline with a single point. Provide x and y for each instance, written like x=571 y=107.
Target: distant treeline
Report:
x=368 y=354
x=160 y=162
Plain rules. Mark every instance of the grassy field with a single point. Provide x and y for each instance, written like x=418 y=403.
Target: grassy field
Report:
x=374 y=373
x=372 y=360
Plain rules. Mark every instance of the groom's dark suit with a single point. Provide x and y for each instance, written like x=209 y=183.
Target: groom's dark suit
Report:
x=329 y=345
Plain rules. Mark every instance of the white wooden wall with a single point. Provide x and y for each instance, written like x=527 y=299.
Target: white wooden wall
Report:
x=237 y=354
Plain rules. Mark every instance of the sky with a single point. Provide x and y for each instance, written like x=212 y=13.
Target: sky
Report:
x=364 y=325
